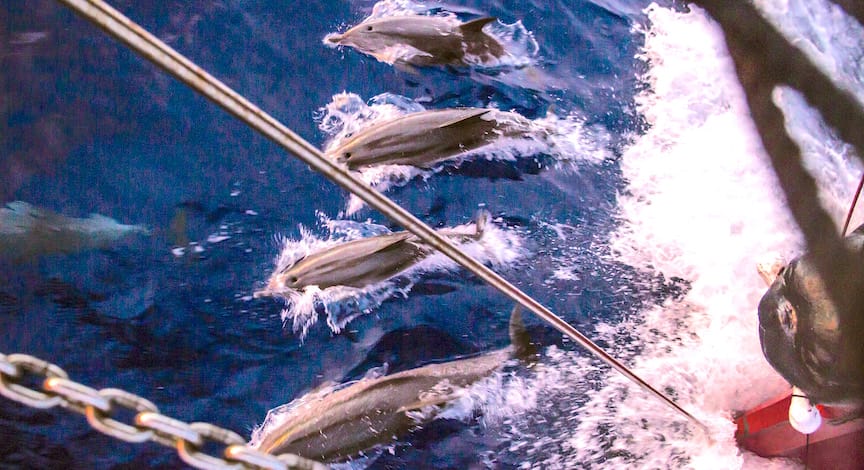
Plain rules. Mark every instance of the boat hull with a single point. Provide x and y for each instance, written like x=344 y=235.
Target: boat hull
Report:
x=765 y=431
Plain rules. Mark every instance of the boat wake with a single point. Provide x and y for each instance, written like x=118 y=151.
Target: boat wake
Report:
x=702 y=205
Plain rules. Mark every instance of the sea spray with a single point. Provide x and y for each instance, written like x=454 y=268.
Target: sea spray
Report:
x=703 y=205
x=564 y=143
x=520 y=47
x=497 y=247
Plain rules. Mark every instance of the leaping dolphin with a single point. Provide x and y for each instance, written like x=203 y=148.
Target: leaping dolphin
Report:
x=426 y=138
x=422 y=40
x=336 y=425
x=362 y=262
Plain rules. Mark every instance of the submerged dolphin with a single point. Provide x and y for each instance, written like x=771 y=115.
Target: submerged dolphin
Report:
x=362 y=262
x=336 y=425
x=27 y=231
x=422 y=40
x=808 y=340
x=425 y=138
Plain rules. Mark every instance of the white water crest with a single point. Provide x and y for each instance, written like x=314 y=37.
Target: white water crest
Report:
x=566 y=140
x=829 y=37
x=497 y=247
x=703 y=205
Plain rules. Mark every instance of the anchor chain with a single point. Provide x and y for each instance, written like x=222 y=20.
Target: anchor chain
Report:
x=101 y=406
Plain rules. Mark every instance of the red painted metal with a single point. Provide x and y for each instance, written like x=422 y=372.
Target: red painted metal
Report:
x=765 y=431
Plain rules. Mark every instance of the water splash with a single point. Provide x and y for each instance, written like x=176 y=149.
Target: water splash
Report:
x=389 y=8
x=704 y=205
x=566 y=141
x=813 y=26
x=520 y=47
x=340 y=304
x=493 y=399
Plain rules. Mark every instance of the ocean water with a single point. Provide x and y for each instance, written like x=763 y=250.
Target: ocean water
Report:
x=641 y=225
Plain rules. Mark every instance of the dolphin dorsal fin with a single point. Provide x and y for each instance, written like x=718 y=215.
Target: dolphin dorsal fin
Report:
x=392 y=239
x=473 y=114
x=519 y=339
x=476 y=26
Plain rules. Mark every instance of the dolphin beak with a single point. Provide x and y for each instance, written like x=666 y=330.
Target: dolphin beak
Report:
x=334 y=38
x=262 y=293
x=274 y=287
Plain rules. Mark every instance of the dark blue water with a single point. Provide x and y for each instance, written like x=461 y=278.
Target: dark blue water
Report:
x=90 y=127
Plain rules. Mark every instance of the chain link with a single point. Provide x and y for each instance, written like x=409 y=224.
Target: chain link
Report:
x=7 y=368
x=10 y=384
x=103 y=422
x=100 y=406
x=257 y=459
x=170 y=428
x=250 y=456
x=191 y=453
x=78 y=397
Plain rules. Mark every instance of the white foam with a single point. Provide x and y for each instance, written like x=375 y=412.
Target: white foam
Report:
x=341 y=304
x=388 y=8
x=829 y=37
x=566 y=139
x=519 y=45
x=830 y=160
x=217 y=237
x=703 y=205
x=495 y=397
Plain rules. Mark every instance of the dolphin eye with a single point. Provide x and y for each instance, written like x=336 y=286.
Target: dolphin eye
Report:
x=293 y=279
x=368 y=28
x=347 y=155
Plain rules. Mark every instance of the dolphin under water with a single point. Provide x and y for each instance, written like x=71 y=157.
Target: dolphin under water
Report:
x=808 y=340
x=361 y=262
x=426 y=138
x=336 y=424
x=422 y=40
x=27 y=231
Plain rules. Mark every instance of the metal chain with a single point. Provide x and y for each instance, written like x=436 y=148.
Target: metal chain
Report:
x=101 y=406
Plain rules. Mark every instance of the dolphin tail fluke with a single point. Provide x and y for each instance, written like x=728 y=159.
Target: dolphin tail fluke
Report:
x=519 y=339
x=476 y=26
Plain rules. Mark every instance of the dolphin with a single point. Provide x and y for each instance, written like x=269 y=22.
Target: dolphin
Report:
x=422 y=40
x=361 y=262
x=337 y=424
x=426 y=138
x=808 y=340
x=27 y=231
